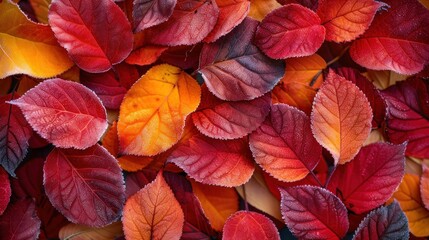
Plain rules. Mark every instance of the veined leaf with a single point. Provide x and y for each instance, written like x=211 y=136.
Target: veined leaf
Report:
x=148 y=13
x=249 y=225
x=20 y=221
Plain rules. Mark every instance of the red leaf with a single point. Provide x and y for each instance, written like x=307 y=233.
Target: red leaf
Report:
x=29 y=179
x=185 y=57
x=384 y=223
x=65 y=113
x=235 y=69
x=96 y=35
x=5 y=190
x=191 y=22
x=148 y=13
x=408 y=115
x=20 y=221
x=345 y=20
x=231 y=13
x=229 y=120
x=313 y=213
x=14 y=135
x=211 y=161
x=371 y=178
x=249 y=225
x=290 y=31
x=278 y=145
x=311 y=4
x=86 y=186
x=424 y=186
x=397 y=40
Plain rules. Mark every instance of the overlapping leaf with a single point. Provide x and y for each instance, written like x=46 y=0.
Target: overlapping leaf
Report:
x=5 y=190
x=249 y=225
x=260 y=8
x=305 y=70
x=148 y=13
x=20 y=221
x=235 y=69
x=294 y=94
x=65 y=113
x=424 y=186
x=86 y=186
x=153 y=113
x=290 y=31
x=96 y=35
x=82 y=232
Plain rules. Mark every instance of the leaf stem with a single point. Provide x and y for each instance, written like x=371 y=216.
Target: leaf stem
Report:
x=330 y=176
x=316 y=178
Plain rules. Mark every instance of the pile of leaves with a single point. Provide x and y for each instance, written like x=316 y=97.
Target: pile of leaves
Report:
x=210 y=119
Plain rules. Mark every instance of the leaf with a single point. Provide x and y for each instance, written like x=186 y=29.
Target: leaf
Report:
x=190 y=23
x=145 y=55
x=86 y=186
x=384 y=223
x=409 y=198
x=148 y=13
x=313 y=213
x=408 y=115
x=218 y=203
x=82 y=232
x=220 y=119
x=384 y=79
x=341 y=118
x=27 y=47
x=41 y=8
x=380 y=168
x=152 y=115
x=153 y=213
x=96 y=35
x=134 y=181
x=225 y=163
x=260 y=8
x=424 y=186
x=403 y=48
x=185 y=57
x=311 y=4
x=231 y=13
x=304 y=69
x=346 y=20
x=290 y=31
x=237 y=70
x=20 y=221
x=65 y=113
x=5 y=190
x=278 y=145
x=14 y=135
x=249 y=225
x=294 y=94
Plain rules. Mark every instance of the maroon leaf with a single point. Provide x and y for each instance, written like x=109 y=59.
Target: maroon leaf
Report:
x=185 y=57
x=384 y=223
x=229 y=120
x=20 y=221
x=313 y=213
x=5 y=190
x=86 y=186
x=408 y=115
x=235 y=69
x=96 y=35
x=312 y=4
x=148 y=13
x=370 y=178
x=191 y=22
x=29 y=179
x=51 y=220
x=14 y=135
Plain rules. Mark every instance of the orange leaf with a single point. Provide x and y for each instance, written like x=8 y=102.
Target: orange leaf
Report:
x=408 y=195
x=152 y=115
x=82 y=232
x=218 y=203
x=294 y=94
x=260 y=8
x=304 y=70
x=424 y=186
x=153 y=213
x=27 y=47
x=341 y=118
x=41 y=8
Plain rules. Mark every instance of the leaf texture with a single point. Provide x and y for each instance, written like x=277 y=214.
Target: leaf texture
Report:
x=148 y=13
x=20 y=221
x=82 y=232
x=250 y=225
x=424 y=186
x=5 y=190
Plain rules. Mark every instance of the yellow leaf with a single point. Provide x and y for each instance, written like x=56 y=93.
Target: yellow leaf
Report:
x=153 y=113
x=27 y=47
x=260 y=8
x=82 y=232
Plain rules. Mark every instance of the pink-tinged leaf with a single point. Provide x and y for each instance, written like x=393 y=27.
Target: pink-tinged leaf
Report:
x=313 y=213
x=191 y=22
x=20 y=221
x=381 y=167
x=235 y=69
x=397 y=40
x=375 y=99
x=341 y=117
x=96 y=35
x=86 y=186
x=408 y=115
x=278 y=145
x=211 y=161
x=424 y=186
x=249 y=225
x=65 y=113
x=345 y=20
x=5 y=190
x=14 y=135
x=229 y=120
x=148 y=13
x=231 y=13
x=290 y=31
x=384 y=223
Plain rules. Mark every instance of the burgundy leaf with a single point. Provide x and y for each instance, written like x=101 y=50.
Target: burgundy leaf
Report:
x=148 y=13
x=19 y=221
x=29 y=179
x=135 y=181
x=5 y=190
x=312 y=4
x=185 y=57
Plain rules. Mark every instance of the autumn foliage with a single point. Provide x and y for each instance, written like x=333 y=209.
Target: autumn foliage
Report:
x=214 y=119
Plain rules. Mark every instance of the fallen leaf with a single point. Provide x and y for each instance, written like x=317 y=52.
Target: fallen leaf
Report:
x=81 y=232
x=20 y=221
x=249 y=225
x=294 y=94
x=424 y=186
x=260 y=8
x=150 y=13
x=5 y=190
